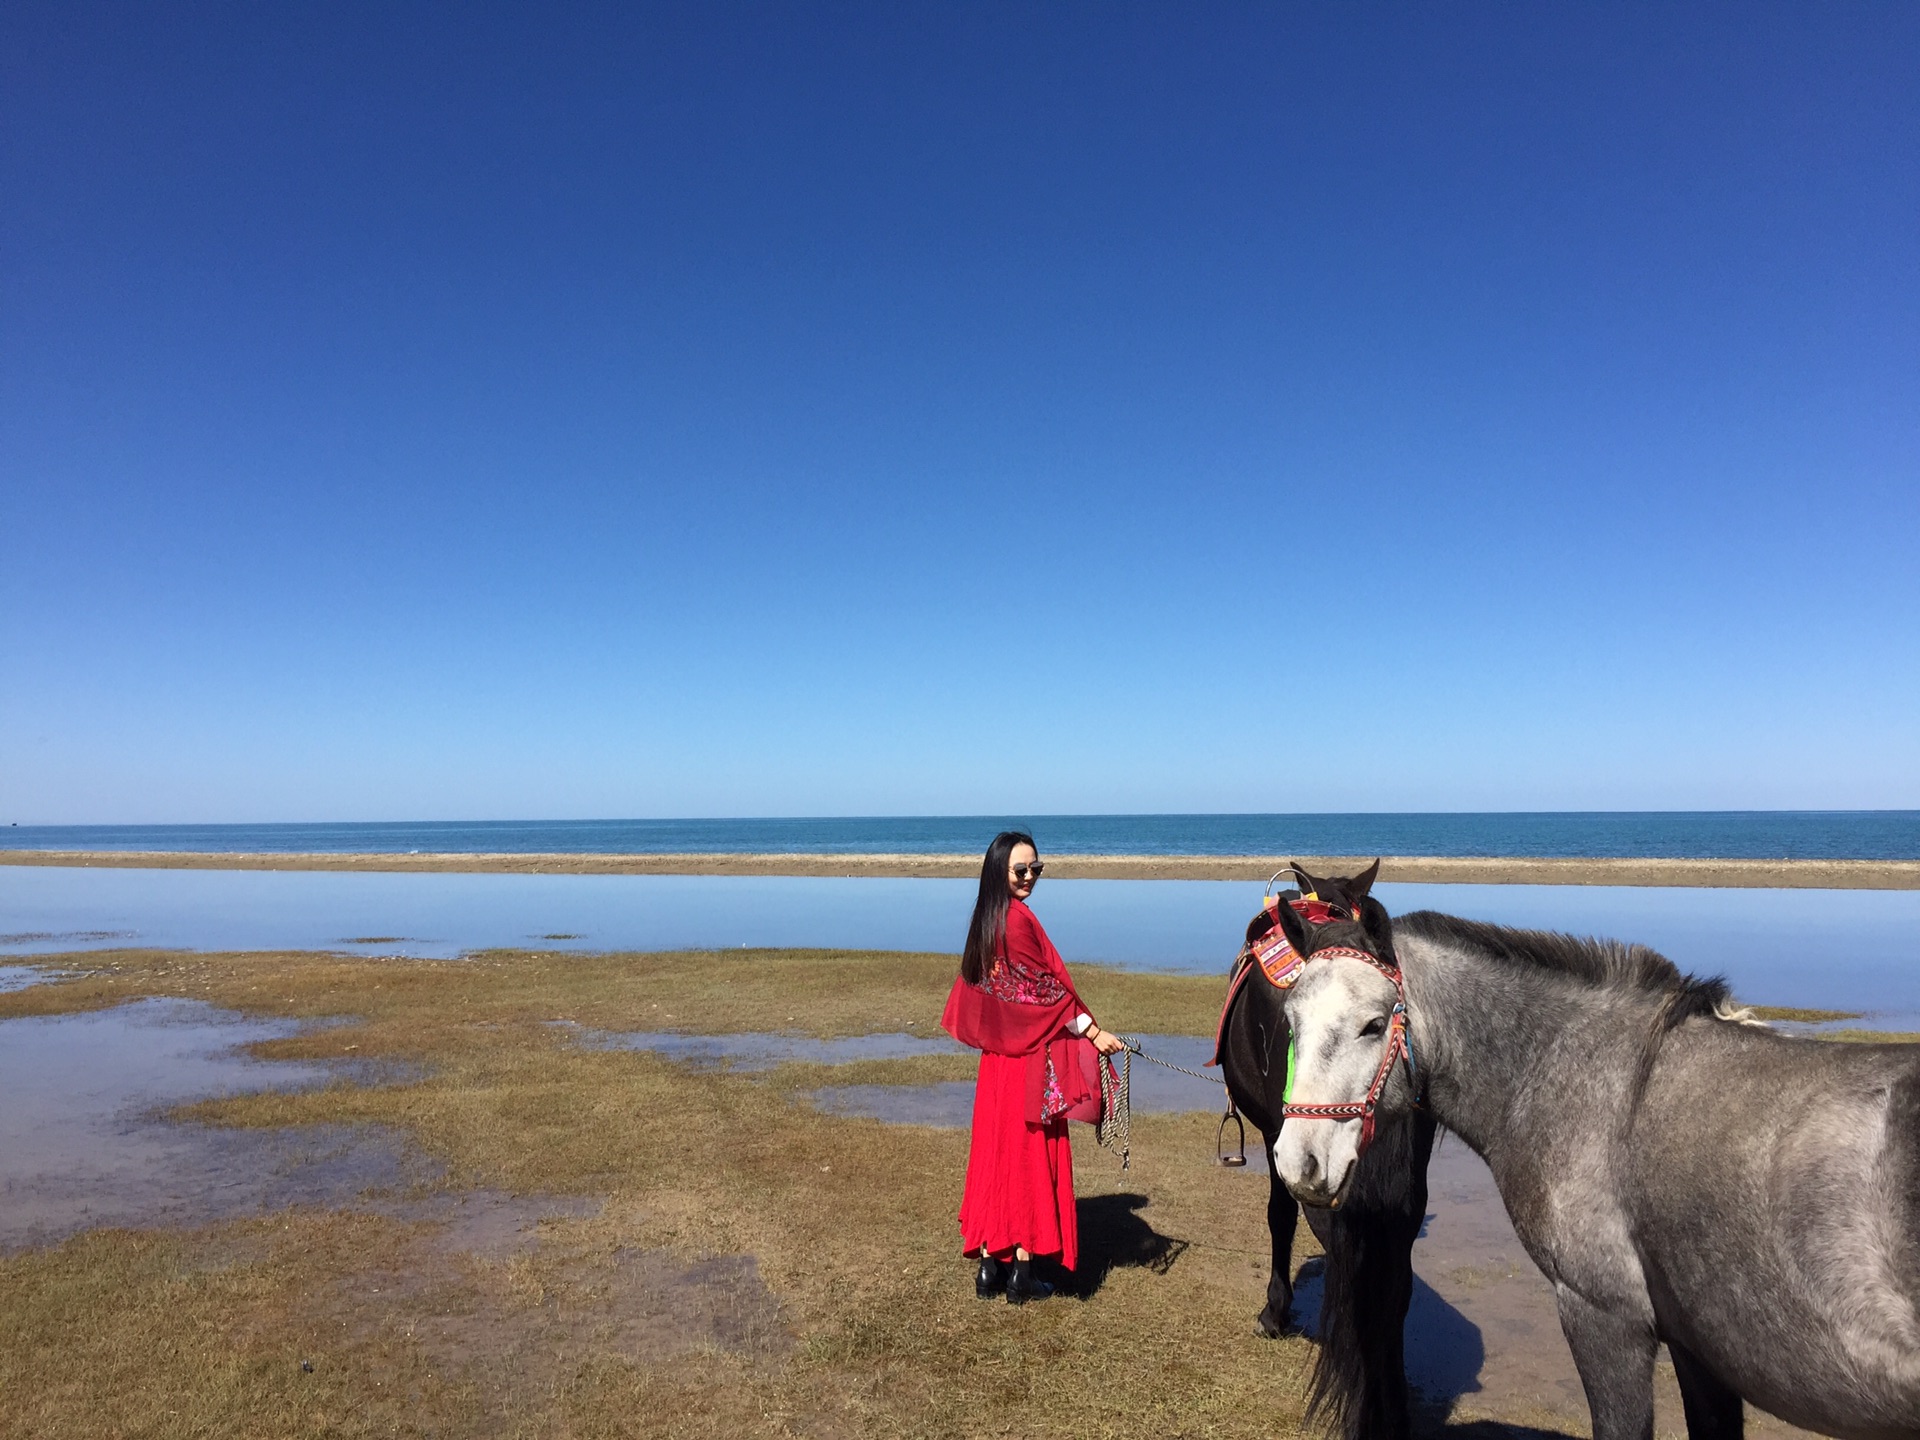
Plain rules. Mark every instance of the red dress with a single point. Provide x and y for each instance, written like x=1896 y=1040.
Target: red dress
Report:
x=1019 y=1188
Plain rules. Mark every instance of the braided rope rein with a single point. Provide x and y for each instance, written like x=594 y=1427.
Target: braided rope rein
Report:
x=1116 y=1107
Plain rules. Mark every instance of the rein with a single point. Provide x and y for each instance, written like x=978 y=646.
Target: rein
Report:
x=1116 y=1109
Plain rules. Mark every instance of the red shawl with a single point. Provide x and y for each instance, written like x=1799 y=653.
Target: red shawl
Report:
x=1023 y=1009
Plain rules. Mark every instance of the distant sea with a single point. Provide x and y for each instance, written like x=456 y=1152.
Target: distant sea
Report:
x=1674 y=834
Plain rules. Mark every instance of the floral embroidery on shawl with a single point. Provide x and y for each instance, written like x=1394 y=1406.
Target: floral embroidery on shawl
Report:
x=1023 y=985
x=1053 y=1100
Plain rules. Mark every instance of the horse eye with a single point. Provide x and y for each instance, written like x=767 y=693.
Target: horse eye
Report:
x=1375 y=1026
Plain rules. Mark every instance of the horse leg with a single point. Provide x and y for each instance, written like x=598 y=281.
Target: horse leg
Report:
x=1614 y=1355
x=1714 y=1411
x=1283 y=1214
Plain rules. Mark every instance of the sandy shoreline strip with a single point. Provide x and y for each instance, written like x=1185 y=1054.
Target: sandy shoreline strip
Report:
x=1431 y=870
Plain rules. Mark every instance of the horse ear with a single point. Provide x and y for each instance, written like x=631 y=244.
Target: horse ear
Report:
x=1295 y=929
x=1360 y=884
x=1378 y=928
x=1309 y=885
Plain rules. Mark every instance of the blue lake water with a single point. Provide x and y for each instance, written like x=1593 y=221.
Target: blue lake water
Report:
x=1748 y=834
x=1838 y=949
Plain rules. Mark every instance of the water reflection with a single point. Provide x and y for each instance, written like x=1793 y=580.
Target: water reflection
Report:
x=1856 y=950
x=81 y=1144
x=19 y=977
x=752 y=1051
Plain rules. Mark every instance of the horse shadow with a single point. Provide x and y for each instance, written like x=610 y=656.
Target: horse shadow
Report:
x=1113 y=1236
x=1445 y=1353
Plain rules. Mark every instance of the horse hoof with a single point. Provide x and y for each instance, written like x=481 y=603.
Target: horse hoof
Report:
x=1270 y=1327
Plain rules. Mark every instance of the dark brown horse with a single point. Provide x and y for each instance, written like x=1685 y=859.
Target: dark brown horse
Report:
x=1359 y=1377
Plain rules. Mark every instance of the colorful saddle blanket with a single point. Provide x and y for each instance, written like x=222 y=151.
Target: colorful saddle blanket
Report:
x=1272 y=956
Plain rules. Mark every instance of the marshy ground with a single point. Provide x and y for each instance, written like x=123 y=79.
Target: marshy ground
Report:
x=540 y=1236
x=606 y=1242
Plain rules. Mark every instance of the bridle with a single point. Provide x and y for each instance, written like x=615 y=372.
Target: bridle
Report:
x=1283 y=966
x=1399 y=1048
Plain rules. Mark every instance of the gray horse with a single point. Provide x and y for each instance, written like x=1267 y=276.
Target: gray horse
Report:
x=1750 y=1199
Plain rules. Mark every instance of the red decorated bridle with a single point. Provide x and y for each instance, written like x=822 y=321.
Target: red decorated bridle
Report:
x=1398 y=1048
x=1283 y=966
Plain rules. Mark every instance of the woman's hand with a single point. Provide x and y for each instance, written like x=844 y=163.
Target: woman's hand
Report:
x=1105 y=1041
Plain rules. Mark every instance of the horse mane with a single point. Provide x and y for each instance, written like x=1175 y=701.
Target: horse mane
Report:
x=1600 y=965
x=1597 y=964
x=1358 y=1387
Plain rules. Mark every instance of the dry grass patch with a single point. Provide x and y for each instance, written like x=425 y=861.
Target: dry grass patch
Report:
x=752 y=1266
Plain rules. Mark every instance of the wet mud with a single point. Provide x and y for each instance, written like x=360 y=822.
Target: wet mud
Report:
x=455 y=1292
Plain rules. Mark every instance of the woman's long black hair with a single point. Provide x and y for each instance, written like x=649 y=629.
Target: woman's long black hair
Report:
x=990 y=910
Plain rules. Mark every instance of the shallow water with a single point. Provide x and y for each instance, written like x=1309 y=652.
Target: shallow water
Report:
x=19 y=977
x=1855 y=950
x=82 y=1144
x=948 y=1104
x=755 y=1051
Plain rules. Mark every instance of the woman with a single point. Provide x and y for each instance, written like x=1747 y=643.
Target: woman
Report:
x=1014 y=1002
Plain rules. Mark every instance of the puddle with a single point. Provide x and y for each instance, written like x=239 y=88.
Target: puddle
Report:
x=53 y=939
x=81 y=1145
x=762 y=1051
x=948 y=1104
x=19 y=977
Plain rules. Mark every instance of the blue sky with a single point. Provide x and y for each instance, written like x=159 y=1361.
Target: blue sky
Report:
x=464 y=411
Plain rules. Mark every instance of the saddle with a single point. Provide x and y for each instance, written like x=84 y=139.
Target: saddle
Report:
x=1271 y=954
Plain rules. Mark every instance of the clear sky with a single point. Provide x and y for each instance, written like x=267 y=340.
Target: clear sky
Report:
x=468 y=411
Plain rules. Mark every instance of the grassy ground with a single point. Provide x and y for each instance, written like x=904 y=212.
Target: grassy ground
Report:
x=854 y=1317
x=742 y=1264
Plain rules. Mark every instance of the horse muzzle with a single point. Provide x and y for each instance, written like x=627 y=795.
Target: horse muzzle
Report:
x=1314 y=1174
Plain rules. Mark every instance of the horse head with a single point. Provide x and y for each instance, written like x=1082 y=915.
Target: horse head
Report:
x=1347 y=1014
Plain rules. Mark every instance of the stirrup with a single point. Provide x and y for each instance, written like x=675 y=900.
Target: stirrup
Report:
x=1239 y=1156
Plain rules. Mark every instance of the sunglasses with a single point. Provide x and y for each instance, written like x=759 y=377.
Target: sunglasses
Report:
x=1020 y=872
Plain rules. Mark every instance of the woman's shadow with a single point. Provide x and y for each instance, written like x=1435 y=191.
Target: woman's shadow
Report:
x=1112 y=1235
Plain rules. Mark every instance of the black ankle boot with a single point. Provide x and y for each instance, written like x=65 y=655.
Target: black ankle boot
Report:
x=992 y=1278
x=1022 y=1287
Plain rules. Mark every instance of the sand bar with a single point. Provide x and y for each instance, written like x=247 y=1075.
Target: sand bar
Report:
x=1431 y=870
